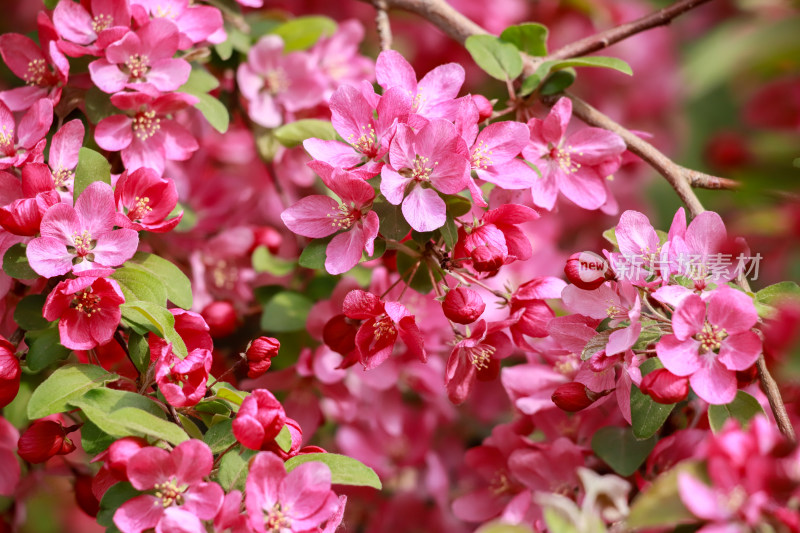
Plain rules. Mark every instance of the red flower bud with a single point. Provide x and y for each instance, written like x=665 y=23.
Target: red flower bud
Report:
x=221 y=319
x=84 y=496
x=117 y=456
x=43 y=440
x=487 y=258
x=484 y=107
x=259 y=355
x=10 y=372
x=665 y=387
x=340 y=334
x=259 y=420
x=463 y=305
x=267 y=236
x=573 y=397
x=587 y=270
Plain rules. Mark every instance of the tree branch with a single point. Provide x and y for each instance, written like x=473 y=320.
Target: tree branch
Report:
x=382 y=24
x=606 y=38
x=682 y=179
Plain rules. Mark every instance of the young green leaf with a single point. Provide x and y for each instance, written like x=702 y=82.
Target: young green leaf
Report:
x=621 y=450
x=294 y=133
x=286 y=311
x=175 y=282
x=344 y=470
x=528 y=37
x=743 y=408
x=91 y=167
x=499 y=59
x=15 y=263
x=44 y=349
x=64 y=385
x=302 y=32
x=647 y=415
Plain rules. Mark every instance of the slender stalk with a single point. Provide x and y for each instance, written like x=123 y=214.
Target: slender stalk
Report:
x=382 y=23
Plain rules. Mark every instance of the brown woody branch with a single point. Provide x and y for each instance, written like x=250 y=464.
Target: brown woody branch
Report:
x=382 y=23
x=682 y=179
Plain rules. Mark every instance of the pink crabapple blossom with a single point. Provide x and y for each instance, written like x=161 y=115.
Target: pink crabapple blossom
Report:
x=196 y=23
x=88 y=28
x=24 y=141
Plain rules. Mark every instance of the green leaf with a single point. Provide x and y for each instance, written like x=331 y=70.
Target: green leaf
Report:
x=220 y=436
x=138 y=284
x=294 y=133
x=344 y=470
x=98 y=105
x=621 y=450
x=44 y=349
x=106 y=408
x=284 y=439
x=156 y=319
x=264 y=261
x=112 y=500
x=613 y=63
x=313 y=255
x=449 y=232
x=64 y=385
x=457 y=206
x=215 y=112
x=28 y=314
x=660 y=504
x=50 y=4
x=596 y=343
x=528 y=37
x=393 y=224
x=91 y=167
x=557 y=82
x=743 y=408
x=200 y=81
x=557 y=522
x=500 y=527
x=190 y=427
x=233 y=468
x=499 y=59
x=611 y=236
x=302 y=32
x=286 y=311
x=15 y=263
x=647 y=415
x=775 y=294
x=139 y=351
x=177 y=285
x=139 y=421
x=93 y=439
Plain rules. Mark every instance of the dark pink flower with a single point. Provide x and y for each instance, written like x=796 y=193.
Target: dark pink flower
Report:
x=259 y=420
x=43 y=440
x=183 y=381
x=142 y=60
x=433 y=96
x=496 y=238
x=42 y=67
x=296 y=502
x=274 y=83
x=88 y=27
x=83 y=237
x=477 y=353
x=711 y=340
x=23 y=216
x=9 y=465
x=367 y=126
x=10 y=372
x=420 y=164
x=230 y=516
x=147 y=135
x=529 y=314
x=115 y=458
x=144 y=201
x=196 y=23
x=87 y=310
x=576 y=165
x=319 y=216
x=259 y=355
x=24 y=142
x=181 y=499
x=664 y=386
x=383 y=322
x=192 y=329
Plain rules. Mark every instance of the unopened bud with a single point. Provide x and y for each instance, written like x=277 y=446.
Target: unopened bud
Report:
x=10 y=372
x=573 y=397
x=484 y=107
x=463 y=305
x=259 y=355
x=221 y=319
x=43 y=440
x=587 y=270
x=665 y=387
x=487 y=258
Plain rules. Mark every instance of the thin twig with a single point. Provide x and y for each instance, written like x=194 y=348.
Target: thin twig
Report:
x=382 y=24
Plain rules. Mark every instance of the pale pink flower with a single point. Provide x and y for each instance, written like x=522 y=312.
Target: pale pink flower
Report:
x=63 y=157
x=711 y=340
x=196 y=23
x=339 y=59
x=142 y=61
x=320 y=216
x=297 y=502
x=274 y=83
x=576 y=165
x=83 y=237
x=181 y=499
x=147 y=135
x=87 y=310
x=88 y=27
x=426 y=157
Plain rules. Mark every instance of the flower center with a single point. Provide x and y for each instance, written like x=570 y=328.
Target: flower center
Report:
x=418 y=102
x=37 y=70
x=500 y=484
x=82 y=245
x=62 y=178
x=343 y=217
x=420 y=171
x=480 y=355
x=481 y=156
x=138 y=66
x=275 y=519
x=169 y=493
x=711 y=338
x=7 y=140
x=367 y=142
x=86 y=302
x=101 y=22
x=224 y=275
x=564 y=159
x=276 y=81
x=383 y=327
x=165 y=12
x=140 y=208
x=146 y=124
